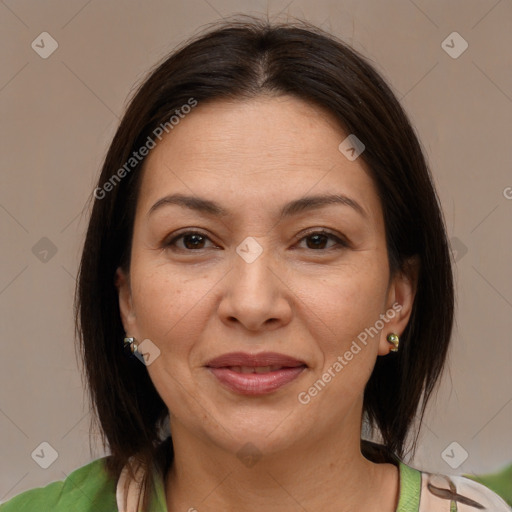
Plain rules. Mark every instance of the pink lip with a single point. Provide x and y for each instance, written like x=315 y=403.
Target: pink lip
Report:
x=255 y=383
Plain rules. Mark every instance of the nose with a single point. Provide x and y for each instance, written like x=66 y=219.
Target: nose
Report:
x=255 y=294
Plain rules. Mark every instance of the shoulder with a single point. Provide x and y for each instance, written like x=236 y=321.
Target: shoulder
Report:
x=88 y=488
x=444 y=493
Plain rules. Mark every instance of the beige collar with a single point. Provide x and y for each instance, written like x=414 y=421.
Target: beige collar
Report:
x=128 y=491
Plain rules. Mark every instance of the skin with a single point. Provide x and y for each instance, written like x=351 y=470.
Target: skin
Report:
x=195 y=304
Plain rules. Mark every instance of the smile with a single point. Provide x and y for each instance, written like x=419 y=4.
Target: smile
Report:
x=255 y=374
x=259 y=380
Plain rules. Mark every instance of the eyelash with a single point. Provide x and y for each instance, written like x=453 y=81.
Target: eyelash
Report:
x=339 y=242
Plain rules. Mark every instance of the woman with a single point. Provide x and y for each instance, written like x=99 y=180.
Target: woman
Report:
x=266 y=268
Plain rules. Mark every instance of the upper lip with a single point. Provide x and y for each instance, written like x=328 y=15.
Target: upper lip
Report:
x=254 y=360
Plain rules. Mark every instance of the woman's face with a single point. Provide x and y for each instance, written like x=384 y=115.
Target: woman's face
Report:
x=227 y=258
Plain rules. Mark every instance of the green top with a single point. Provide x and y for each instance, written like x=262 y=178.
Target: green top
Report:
x=90 y=489
x=500 y=482
x=87 y=489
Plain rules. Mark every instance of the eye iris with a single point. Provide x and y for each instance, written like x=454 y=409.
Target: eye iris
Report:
x=318 y=238
x=197 y=240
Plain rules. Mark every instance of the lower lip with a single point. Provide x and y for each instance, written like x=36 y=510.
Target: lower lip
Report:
x=256 y=383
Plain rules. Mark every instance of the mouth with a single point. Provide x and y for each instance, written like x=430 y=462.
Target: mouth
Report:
x=255 y=374
x=255 y=369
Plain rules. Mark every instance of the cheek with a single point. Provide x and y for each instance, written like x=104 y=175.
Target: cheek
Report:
x=165 y=304
x=345 y=303
x=170 y=311
x=346 y=308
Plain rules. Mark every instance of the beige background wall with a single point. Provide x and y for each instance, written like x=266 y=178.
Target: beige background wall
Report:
x=57 y=118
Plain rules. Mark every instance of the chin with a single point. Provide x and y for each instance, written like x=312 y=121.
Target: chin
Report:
x=266 y=431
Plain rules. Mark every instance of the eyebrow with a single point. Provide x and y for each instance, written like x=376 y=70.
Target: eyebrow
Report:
x=289 y=209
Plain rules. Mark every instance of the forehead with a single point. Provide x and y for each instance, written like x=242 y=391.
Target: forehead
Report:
x=245 y=152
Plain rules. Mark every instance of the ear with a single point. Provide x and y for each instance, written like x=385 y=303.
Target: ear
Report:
x=128 y=317
x=400 y=301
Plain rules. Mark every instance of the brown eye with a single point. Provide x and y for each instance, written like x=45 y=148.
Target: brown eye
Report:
x=191 y=240
x=318 y=240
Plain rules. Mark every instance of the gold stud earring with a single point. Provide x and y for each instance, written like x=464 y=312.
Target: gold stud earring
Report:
x=394 y=340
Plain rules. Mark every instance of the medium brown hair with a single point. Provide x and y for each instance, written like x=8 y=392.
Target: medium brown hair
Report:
x=241 y=60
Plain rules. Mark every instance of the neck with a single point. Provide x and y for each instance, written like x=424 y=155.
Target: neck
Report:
x=324 y=473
